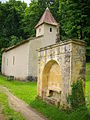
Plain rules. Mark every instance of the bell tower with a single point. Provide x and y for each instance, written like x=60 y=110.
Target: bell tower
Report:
x=47 y=27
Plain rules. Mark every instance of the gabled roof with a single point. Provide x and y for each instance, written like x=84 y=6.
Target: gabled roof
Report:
x=47 y=18
x=21 y=43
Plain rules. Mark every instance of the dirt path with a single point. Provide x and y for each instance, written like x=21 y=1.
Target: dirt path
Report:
x=20 y=106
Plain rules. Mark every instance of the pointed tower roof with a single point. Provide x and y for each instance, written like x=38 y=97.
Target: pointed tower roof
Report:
x=47 y=18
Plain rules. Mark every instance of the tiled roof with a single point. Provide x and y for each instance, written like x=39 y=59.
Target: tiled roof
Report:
x=21 y=43
x=47 y=18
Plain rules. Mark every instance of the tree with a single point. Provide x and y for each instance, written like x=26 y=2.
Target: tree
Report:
x=75 y=18
x=11 y=14
x=30 y=19
x=17 y=21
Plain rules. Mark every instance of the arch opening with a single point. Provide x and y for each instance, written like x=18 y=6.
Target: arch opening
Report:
x=52 y=81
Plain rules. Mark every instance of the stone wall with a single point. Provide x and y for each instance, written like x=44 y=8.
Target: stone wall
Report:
x=78 y=62
x=70 y=58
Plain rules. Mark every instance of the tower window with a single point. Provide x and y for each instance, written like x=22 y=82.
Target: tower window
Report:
x=50 y=29
x=13 y=60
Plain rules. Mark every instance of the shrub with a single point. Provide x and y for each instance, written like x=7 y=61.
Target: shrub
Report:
x=76 y=98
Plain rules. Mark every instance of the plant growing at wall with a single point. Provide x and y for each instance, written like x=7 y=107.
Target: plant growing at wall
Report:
x=76 y=98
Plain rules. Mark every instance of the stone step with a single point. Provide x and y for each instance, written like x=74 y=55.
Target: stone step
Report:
x=52 y=100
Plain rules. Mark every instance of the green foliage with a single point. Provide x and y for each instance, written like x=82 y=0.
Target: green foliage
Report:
x=75 y=17
x=0 y=58
x=14 y=40
x=11 y=31
x=88 y=53
x=77 y=97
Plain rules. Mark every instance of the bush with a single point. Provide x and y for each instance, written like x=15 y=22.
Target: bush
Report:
x=76 y=98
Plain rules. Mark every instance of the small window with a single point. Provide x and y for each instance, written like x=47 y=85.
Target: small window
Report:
x=39 y=29
x=7 y=61
x=4 y=59
x=13 y=60
x=50 y=29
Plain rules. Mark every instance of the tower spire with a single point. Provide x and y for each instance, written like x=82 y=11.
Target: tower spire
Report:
x=47 y=18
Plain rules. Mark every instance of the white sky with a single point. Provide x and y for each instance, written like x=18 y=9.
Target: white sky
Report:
x=26 y=1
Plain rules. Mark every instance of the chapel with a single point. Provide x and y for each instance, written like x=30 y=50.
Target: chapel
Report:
x=53 y=63
x=20 y=61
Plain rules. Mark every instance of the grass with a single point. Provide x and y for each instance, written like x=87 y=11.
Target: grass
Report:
x=88 y=86
x=87 y=72
x=27 y=92
x=7 y=111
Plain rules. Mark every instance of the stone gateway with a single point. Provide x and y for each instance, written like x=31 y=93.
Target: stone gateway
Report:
x=58 y=66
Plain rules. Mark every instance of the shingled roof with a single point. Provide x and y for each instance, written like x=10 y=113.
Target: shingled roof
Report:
x=47 y=18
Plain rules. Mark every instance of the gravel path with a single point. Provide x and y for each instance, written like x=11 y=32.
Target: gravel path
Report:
x=20 y=106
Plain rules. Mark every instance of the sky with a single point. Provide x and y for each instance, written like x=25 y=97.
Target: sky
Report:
x=26 y=1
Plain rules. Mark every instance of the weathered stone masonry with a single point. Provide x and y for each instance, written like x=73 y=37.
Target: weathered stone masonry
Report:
x=58 y=66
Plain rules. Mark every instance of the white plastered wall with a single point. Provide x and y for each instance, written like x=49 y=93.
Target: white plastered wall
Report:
x=18 y=69
x=44 y=29
x=40 y=30
x=48 y=38
x=26 y=54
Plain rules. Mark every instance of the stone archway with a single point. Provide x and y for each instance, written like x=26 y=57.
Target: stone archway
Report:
x=58 y=66
x=52 y=81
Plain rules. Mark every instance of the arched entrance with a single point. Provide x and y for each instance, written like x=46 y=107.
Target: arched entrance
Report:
x=56 y=76
x=52 y=81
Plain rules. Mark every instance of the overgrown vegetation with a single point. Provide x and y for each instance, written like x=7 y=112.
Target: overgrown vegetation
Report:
x=28 y=92
x=17 y=20
x=76 y=98
x=9 y=113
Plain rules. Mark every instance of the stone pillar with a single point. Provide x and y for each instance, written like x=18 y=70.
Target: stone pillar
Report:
x=78 y=61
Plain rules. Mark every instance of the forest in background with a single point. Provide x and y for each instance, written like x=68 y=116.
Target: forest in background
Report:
x=17 y=20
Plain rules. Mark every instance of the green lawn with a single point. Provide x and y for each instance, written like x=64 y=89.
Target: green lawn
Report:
x=88 y=86
x=27 y=92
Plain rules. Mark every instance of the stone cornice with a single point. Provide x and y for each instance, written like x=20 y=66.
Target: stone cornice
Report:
x=76 y=41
